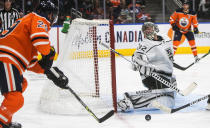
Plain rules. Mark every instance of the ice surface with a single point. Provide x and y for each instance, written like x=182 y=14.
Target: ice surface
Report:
x=127 y=80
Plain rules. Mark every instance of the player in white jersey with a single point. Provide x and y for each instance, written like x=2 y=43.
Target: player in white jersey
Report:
x=154 y=54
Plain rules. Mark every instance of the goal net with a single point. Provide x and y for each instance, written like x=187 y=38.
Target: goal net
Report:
x=90 y=68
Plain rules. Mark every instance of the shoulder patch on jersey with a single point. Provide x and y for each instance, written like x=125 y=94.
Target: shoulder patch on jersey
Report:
x=41 y=24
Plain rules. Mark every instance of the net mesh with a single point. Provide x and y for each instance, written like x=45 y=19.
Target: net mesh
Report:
x=88 y=67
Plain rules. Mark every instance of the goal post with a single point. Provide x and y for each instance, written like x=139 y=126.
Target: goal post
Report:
x=89 y=66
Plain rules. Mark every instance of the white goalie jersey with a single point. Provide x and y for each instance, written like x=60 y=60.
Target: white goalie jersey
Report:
x=156 y=53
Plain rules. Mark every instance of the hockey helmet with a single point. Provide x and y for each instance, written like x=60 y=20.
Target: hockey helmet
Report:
x=185 y=2
x=49 y=10
x=150 y=30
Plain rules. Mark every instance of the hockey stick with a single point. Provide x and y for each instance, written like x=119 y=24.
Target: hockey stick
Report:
x=184 y=68
x=100 y=120
x=184 y=92
x=169 y=110
x=187 y=91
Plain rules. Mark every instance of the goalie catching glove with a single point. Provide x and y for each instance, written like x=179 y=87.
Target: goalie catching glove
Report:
x=57 y=76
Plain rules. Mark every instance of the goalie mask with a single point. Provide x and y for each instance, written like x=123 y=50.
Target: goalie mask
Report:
x=49 y=10
x=150 y=30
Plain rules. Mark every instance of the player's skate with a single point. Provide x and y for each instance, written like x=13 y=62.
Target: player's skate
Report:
x=208 y=106
x=125 y=105
x=11 y=125
x=196 y=59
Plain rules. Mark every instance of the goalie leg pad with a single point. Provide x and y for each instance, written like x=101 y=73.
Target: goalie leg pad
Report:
x=142 y=99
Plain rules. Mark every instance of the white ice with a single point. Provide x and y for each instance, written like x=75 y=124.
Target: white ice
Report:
x=127 y=80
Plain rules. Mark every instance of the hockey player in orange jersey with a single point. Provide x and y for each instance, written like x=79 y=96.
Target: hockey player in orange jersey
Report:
x=19 y=47
x=182 y=20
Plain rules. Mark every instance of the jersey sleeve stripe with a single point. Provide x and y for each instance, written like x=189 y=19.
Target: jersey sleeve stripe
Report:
x=18 y=59
x=31 y=65
x=15 y=52
x=33 y=61
x=13 y=60
x=36 y=38
x=39 y=33
x=3 y=118
x=34 y=57
x=41 y=43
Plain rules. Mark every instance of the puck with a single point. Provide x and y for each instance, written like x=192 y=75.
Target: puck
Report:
x=147 y=117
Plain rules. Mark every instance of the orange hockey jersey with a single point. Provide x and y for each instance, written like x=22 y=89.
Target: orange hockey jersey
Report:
x=20 y=44
x=184 y=21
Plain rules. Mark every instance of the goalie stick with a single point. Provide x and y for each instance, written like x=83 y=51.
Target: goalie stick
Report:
x=185 y=68
x=169 y=110
x=100 y=120
x=185 y=92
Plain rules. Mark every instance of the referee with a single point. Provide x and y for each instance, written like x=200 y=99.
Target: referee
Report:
x=8 y=15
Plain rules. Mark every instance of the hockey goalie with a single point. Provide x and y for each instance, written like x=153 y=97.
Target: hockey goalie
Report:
x=154 y=54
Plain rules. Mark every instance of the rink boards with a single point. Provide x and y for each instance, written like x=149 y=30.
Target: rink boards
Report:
x=127 y=38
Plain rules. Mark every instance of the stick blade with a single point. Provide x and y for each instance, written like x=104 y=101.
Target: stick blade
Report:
x=158 y=105
x=107 y=116
x=179 y=67
x=189 y=89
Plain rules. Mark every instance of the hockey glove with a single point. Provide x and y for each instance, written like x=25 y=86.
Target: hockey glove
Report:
x=135 y=66
x=196 y=31
x=57 y=76
x=146 y=70
x=175 y=27
x=47 y=60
